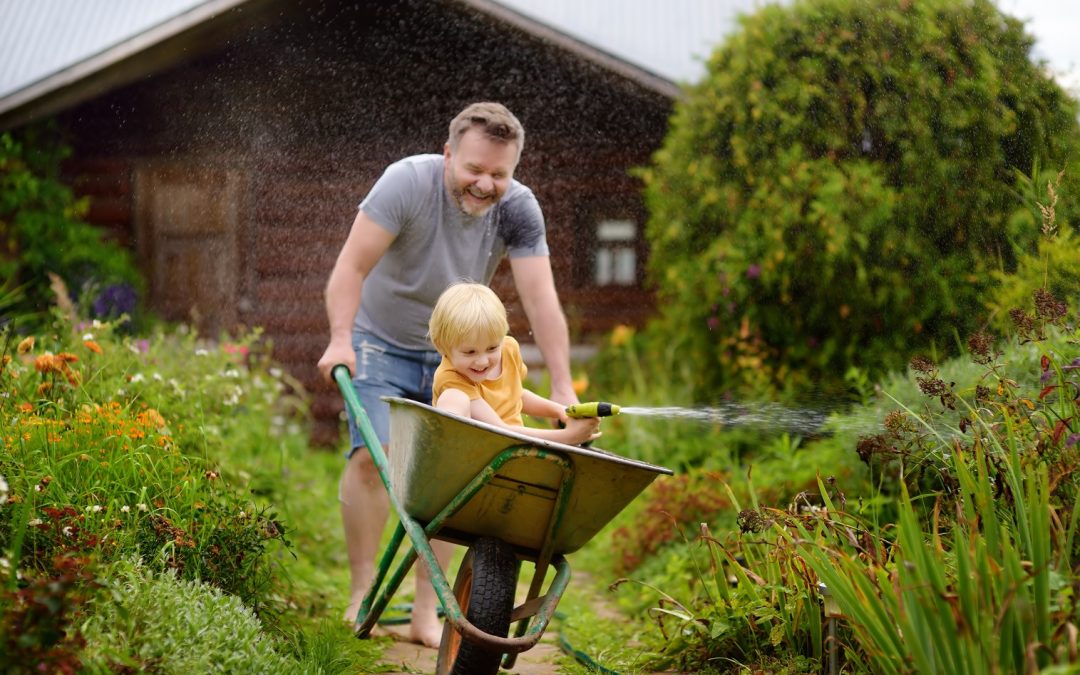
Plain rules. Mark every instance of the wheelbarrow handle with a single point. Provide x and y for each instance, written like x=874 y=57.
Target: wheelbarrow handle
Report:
x=336 y=369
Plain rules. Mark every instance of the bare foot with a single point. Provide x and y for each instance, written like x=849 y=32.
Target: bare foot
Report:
x=353 y=609
x=426 y=629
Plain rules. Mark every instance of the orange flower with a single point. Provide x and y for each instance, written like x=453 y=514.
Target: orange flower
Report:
x=67 y=357
x=26 y=407
x=48 y=363
x=580 y=384
x=154 y=418
x=44 y=387
x=26 y=345
x=93 y=346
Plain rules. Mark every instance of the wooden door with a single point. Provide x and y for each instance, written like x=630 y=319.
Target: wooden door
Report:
x=187 y=233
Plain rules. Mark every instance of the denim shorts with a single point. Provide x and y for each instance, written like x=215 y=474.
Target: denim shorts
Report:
x=383 y=369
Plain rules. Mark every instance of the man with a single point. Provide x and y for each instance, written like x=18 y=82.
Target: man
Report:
x=430 y=221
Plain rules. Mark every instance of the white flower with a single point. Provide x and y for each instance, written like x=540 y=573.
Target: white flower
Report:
x=34 y=522
x=275 y=372
x=234 y=397
x=94 y=508
x=201 y=352
x=3 y=490
x=141 y=507
x=232 y=372
x=158 y=377
x=88 y=336
x=67 y=531
x=138 y=377
x=96 y=323
x=5 y=564
x=125 y=508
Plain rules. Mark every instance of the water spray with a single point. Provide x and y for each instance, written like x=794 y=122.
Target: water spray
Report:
x=763 y=416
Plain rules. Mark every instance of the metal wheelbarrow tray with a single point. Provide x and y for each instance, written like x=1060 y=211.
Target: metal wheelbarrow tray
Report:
x=505 y=495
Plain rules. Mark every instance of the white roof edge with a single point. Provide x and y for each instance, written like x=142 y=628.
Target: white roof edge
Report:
x=116 y=53
x=656 y=83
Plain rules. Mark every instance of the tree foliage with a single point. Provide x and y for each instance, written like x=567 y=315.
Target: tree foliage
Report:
x=840 y=187
x=43 y=231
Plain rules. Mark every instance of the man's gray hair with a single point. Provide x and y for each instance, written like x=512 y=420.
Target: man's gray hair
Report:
x=493 y=119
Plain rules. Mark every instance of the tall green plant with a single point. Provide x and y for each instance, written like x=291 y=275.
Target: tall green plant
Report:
x=43 y=231
x=973 y=597
x=838 y=189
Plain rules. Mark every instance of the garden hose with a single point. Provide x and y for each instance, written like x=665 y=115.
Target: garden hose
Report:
x=406 y=612
x=578 y=655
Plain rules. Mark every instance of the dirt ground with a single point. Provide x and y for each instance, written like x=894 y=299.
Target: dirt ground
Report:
x=413 y=658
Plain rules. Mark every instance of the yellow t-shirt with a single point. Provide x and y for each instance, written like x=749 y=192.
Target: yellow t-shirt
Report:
x=503 y=393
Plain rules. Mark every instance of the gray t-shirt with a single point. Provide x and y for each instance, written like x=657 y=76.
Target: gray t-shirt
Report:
x=435 y=245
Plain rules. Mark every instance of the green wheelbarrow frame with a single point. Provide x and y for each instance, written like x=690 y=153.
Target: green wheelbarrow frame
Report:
x=511 y=477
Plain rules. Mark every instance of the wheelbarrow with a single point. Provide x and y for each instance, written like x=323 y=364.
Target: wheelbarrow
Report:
x=508 y=497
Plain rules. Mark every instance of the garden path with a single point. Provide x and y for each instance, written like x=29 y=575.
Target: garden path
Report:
x=543 y=659
x=540 y=660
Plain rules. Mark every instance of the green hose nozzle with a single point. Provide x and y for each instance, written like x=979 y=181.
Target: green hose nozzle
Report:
x=592 y=409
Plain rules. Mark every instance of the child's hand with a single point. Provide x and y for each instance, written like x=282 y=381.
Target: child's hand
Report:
x=580 y=430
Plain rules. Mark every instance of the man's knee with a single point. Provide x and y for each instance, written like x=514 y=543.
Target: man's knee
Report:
x=361 y=469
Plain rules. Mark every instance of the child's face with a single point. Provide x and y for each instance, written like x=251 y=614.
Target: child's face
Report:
x=478 y=358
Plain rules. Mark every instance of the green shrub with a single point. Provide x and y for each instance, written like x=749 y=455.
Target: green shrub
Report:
x=1051 y=265
x=839 y=188
x=160 y=623
x=42 y=231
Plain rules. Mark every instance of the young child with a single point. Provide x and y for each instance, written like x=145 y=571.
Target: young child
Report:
x=481 y=371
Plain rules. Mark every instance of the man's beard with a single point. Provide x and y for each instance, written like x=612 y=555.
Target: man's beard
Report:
x=474 y=210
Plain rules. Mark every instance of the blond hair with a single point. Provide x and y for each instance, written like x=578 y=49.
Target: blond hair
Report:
x=465 y=310
x=494 y=120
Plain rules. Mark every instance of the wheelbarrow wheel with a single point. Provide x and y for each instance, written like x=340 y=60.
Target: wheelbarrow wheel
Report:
x=484 y=589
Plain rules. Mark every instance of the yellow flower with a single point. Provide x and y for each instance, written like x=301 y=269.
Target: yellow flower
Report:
x=26 y=345
x=621 y=334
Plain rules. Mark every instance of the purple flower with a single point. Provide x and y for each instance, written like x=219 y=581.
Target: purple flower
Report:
x=115 y=300
x=1046 y=376
x=753 y=272
x=1073 y=365
x=1072 y=440
x=712 y=322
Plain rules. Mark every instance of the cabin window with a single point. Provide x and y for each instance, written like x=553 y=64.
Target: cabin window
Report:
x=615 y=261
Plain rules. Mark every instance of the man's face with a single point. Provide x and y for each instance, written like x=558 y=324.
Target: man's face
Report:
x=478 y=172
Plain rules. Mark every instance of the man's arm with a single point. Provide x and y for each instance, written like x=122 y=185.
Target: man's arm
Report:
x=366 y=244
x=536 y=287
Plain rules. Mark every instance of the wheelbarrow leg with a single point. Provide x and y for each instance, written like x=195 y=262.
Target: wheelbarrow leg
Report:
x=373 y=604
